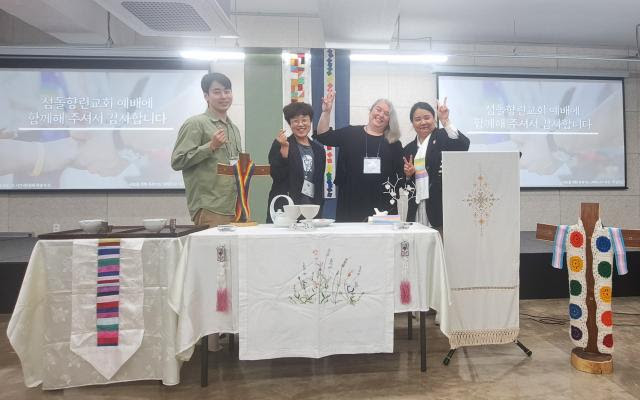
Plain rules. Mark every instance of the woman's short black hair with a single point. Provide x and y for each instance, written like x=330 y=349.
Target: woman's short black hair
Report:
x=421 y=105
x=211 y=77
x=295 y=109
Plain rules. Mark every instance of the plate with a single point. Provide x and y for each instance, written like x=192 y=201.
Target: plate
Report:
x=319 y=222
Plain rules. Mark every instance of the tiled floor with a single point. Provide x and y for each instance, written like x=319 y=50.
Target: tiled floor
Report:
x=489 y=372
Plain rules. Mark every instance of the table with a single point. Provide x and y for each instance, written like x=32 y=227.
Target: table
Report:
x=40 y=327
x=254 y=250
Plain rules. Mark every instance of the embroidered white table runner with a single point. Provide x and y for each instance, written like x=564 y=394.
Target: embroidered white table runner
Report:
x=481 y=209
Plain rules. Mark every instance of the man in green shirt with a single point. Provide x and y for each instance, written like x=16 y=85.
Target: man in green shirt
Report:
x=204 y=141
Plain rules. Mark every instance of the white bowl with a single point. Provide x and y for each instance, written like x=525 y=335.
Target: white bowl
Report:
x=291 y=211
x=309 y=210
x=284 y=222
x=154 y=225
x=92 y=225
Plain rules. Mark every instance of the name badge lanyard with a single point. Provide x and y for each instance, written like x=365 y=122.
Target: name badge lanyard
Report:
x=232 y=160
x=372 y=164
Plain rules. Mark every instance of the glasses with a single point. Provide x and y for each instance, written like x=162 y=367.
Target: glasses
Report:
x=301 y=121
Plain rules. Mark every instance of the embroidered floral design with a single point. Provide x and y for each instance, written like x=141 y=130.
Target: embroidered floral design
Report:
x=481 y=200
x=321 y=281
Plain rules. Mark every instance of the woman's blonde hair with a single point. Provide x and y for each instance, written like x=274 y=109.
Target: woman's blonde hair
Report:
x=392 y=131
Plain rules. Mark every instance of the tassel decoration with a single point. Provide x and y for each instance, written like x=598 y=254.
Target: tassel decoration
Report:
x=222 y=296
x=222 y=303
x=405 y=284
x=405 y=292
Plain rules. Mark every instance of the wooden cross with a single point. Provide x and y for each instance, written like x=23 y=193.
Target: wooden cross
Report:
x=243 y=171
x=590 y=359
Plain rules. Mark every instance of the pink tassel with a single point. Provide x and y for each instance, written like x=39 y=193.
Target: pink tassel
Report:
x=405 y=292
x=222 y=304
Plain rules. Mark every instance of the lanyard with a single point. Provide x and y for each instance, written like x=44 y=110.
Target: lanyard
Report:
x=229 y=129
x=366 y=150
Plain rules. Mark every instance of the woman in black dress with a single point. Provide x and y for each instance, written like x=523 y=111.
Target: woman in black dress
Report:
x=369 y=156
x=297 y=162
x=423 y=161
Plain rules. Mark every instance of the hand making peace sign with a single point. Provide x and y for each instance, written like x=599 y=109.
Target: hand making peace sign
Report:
x=327 y=101
x=409 y=168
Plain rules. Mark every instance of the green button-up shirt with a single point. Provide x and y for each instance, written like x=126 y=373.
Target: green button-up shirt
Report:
x=192 y=155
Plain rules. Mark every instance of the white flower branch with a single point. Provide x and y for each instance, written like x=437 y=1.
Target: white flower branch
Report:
x=393 y=189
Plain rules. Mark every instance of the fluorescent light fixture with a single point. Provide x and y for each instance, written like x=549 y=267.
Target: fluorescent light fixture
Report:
x=229 y=37
x=286 y=56
x=212 y=55
x=400 y=58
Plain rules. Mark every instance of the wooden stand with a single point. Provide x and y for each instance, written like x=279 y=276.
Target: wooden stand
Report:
x=243 y=178
x=592 y=363
x=248 y=223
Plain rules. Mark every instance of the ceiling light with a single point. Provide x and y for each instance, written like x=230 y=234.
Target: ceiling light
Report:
x=212 y=55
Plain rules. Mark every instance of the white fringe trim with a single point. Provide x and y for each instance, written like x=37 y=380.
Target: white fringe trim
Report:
x=482 y=337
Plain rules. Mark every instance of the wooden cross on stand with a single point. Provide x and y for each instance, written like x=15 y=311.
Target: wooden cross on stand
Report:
x=589 y=359
x=243 y=170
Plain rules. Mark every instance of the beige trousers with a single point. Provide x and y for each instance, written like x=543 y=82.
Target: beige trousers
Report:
x=206 y=217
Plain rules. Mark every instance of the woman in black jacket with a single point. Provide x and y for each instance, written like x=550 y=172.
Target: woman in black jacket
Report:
x=297 y=162
x=423 y=161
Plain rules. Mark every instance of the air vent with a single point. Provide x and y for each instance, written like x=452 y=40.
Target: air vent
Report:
x=194 y=18
x=167 y=17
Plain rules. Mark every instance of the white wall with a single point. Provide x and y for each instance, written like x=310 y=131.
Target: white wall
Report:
x=404 y=85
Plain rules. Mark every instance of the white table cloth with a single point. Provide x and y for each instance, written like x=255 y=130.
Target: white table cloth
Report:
x=41 y=324
x=193 y=292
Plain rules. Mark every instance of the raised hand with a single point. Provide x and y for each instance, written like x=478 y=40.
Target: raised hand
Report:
x=284 y=143
x=327 y=101
x=443 y=112
x=409 y=168
x=218 y=140
x=282 y=138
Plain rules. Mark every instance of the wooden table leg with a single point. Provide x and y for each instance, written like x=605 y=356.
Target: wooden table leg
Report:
x=410 y=326
x=204 y=361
